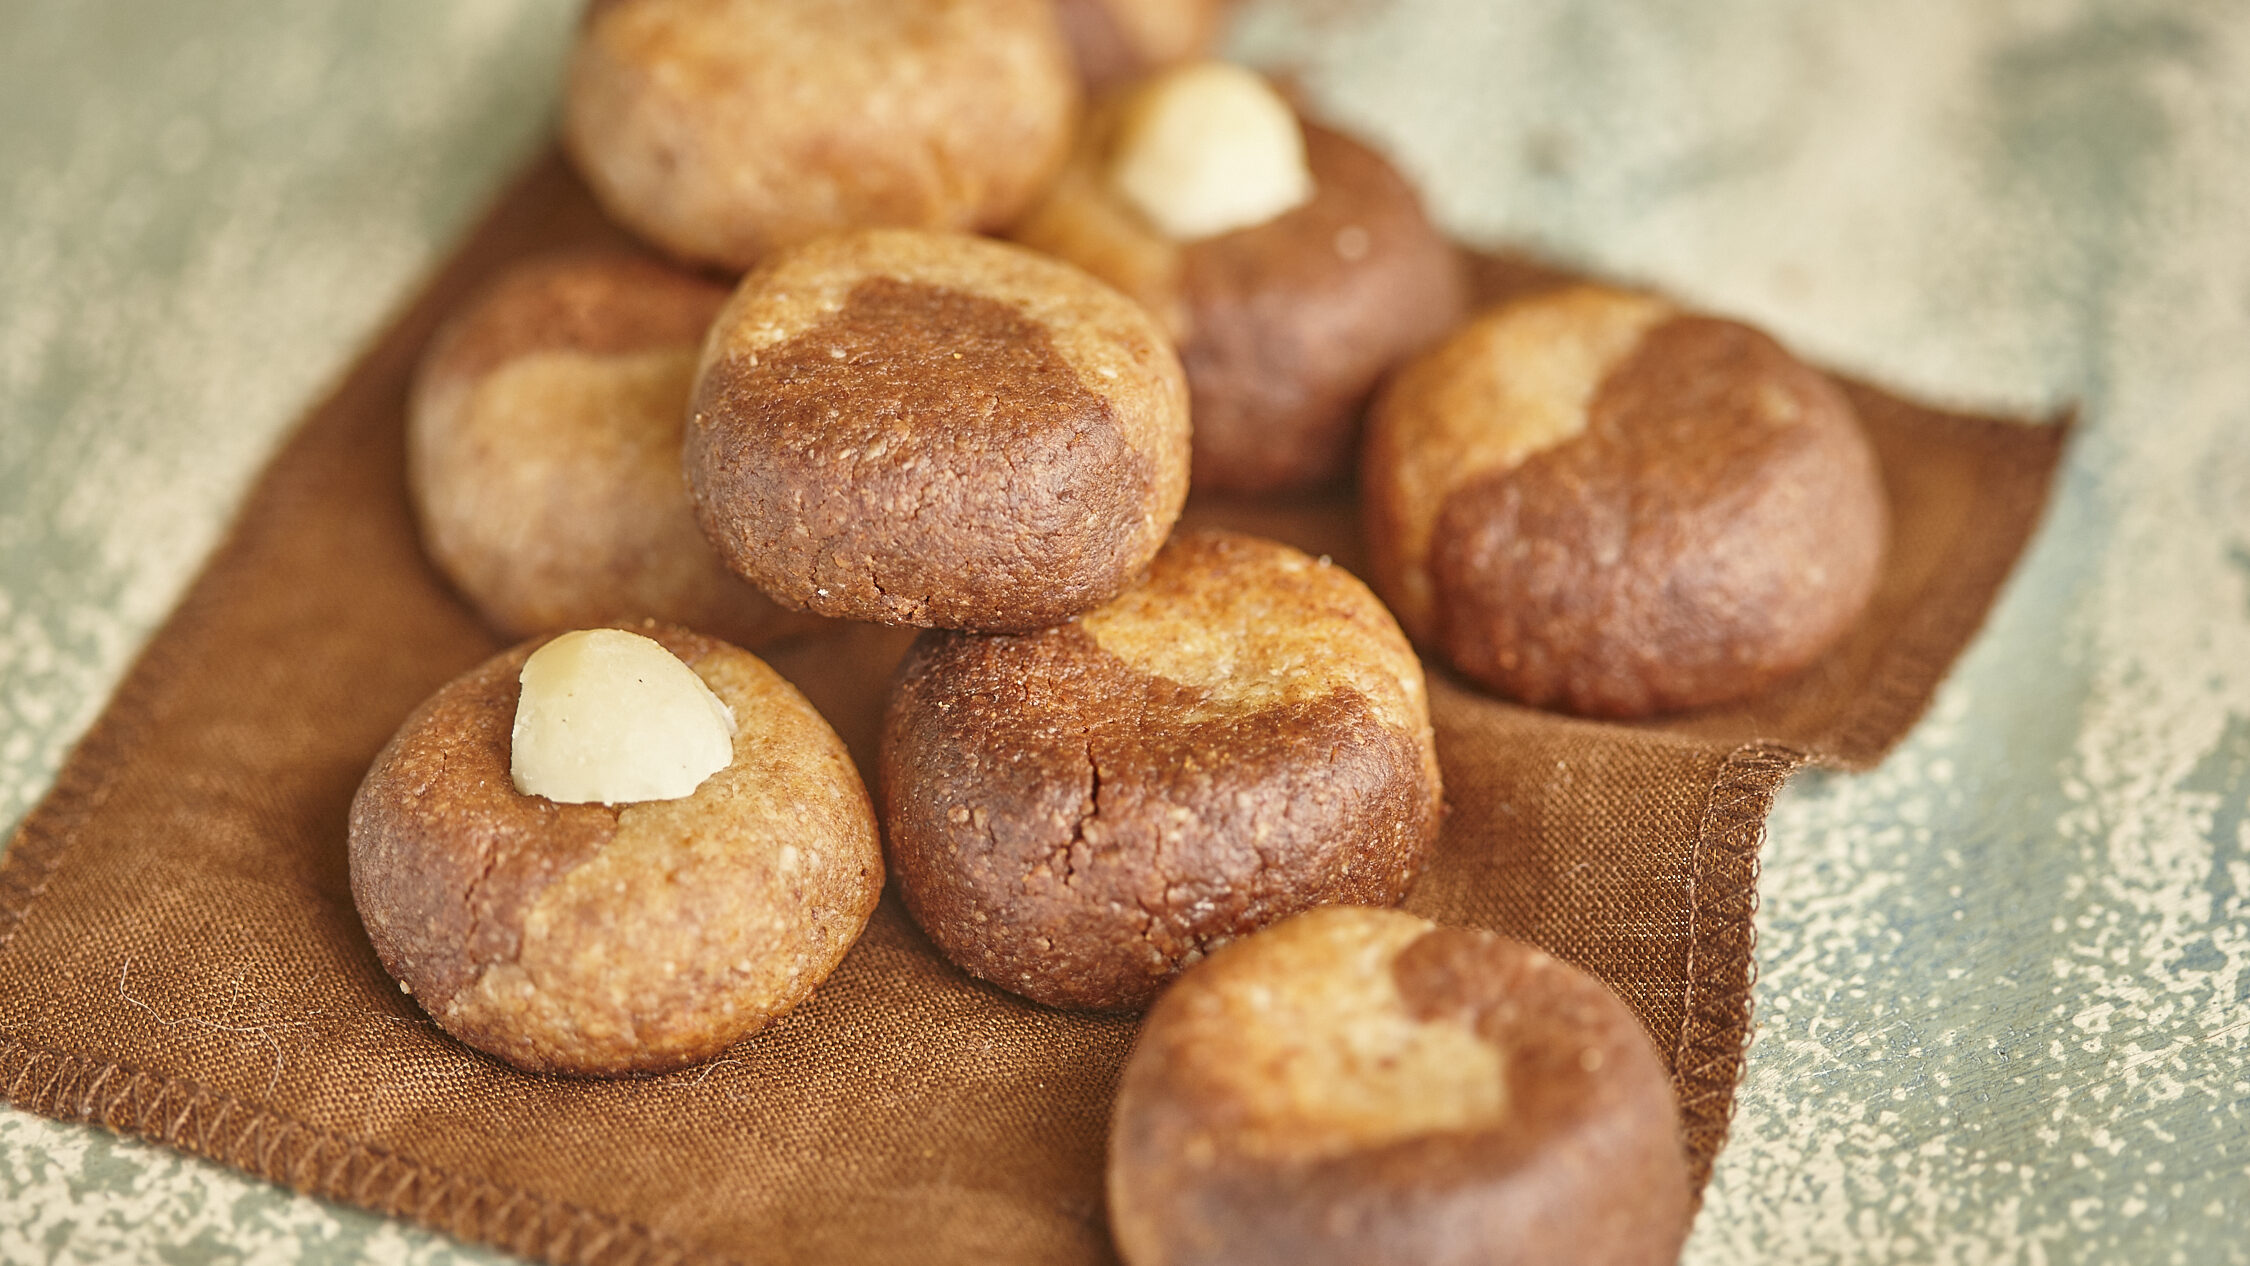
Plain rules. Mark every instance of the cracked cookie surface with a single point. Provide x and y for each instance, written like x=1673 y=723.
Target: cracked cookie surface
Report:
x=600 y=940
x=1077 y=814
x=935 y=430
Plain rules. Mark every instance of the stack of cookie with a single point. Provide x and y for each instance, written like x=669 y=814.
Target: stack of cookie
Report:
x=1117 y=750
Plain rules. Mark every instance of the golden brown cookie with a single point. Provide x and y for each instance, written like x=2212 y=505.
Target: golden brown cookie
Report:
x=1590 y=500
x=1284 y=327
x=1077 y=814
x=543 y=453
x=1360 y=1085
x=1116 y=41
x=600 y=940
x=722 y=130
x=938 y=430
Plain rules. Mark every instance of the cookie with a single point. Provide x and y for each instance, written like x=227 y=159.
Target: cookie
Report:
x=1117 y=41
x=723 y=130
x=936 y=430
x=543 y=453
x=1284 y=326
x=1360 y=1085
x=602 y=940
x=1077 y=814
x=1590 y=500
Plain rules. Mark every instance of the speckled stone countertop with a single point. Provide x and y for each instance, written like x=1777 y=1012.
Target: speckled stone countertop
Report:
x=2004 y=1012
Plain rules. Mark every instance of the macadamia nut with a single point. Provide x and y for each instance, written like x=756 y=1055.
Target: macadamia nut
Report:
x=1208 y=149
x=611 y=717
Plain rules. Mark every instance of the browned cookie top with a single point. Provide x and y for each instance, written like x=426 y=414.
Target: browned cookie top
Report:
x=588 y=938
x=920 y=428
x=725 y=129
x=1593 y=501
x=1283 y=327
x=543 y=452
x=1076 y=814
x=1359 y=1085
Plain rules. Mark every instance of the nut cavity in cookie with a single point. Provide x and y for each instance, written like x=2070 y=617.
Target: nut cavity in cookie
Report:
x=1357 y=1085
x=1515 y=382
x=723 y=130
x=610 y=717
x=1078 y=813
x=1209 y=149
x=603 y=940
x=935 y=430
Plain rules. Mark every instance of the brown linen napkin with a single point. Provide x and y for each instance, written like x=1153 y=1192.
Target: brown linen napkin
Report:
x=180 y=959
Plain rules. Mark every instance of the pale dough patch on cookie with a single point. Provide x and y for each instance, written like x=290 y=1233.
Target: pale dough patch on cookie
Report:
x=494 y=468
x=521 y=407
x=1511 y=384
x=1305 y=1033
x=1255 y=625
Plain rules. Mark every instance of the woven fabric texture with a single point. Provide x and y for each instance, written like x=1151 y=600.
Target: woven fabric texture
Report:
x=180 y=959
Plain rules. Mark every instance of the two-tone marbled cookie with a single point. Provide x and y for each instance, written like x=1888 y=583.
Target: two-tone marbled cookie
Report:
x=1361 y=1085
x=1077 y=814
x=614 y=851
x=543 y=453
x=1594 y=501
x=938 y=430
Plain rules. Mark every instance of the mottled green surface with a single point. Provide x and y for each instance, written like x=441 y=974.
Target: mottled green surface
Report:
x=2005 y=1005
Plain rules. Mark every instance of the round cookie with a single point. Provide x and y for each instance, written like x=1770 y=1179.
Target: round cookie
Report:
x=543 y=453
x=1117 y=41
x=938 y=430
x=722 y=130
x=1284 y=327
x=599 y=940
x=1079 y=813
x=1590 y=500
x=1360 y=1085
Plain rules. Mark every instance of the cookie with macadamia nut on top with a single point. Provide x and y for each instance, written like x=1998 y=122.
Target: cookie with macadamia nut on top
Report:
x=613 y=852
x=1359 y=1085
x=543 y=453
x=722 y=130
x=1290 y=262
x=1078 y=813
x=935 y=429
x=1594 y=501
